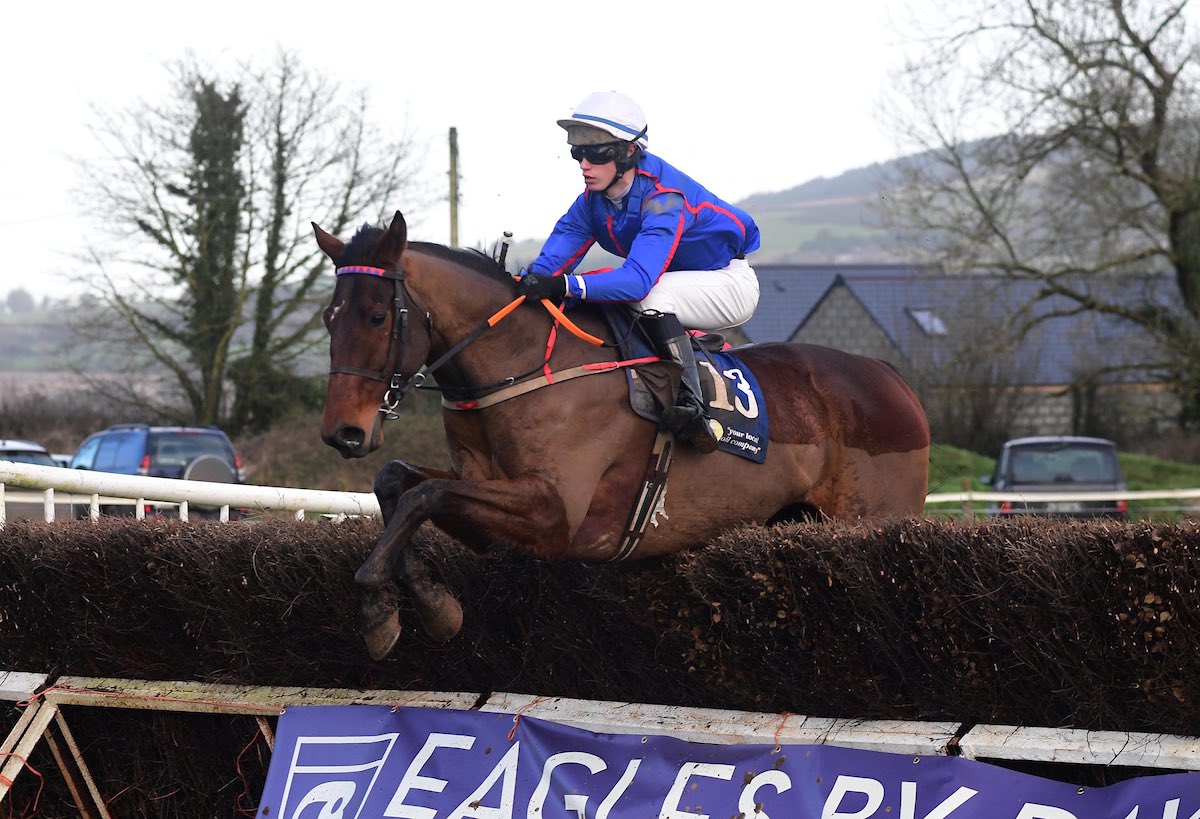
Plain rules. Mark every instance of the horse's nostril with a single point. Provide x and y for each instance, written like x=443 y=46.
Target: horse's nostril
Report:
x=351 y=436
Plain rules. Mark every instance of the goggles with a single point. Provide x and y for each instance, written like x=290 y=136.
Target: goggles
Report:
x=598 y=154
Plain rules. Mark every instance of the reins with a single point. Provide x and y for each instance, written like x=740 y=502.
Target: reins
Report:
x=399 y=386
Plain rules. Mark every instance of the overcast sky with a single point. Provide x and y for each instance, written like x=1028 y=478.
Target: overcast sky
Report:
x=746 y=97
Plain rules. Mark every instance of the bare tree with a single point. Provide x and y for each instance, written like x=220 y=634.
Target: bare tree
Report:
x=209 y=289
x=1060 y=143
x=971 y=371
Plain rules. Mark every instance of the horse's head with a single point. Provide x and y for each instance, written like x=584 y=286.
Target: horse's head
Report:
x=372 y=344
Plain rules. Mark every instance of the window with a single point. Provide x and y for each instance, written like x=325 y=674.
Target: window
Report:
x=930 y=323
x=120 y=452
x=28 y=457
x=86 y=455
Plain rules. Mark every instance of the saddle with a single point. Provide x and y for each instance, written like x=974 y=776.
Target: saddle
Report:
x=730 y=390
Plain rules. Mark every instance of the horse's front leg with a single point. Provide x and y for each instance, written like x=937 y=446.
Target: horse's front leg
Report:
x=526 y=512
x=396 y=478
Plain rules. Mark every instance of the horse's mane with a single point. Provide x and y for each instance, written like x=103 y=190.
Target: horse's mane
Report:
x=475 y=259
x=366 y=236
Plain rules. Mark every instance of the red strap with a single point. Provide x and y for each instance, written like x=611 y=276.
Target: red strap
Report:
x=553 y=337
x=629 y=362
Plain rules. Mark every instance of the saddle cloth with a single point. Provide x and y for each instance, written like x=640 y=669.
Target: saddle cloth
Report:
x=731 y=391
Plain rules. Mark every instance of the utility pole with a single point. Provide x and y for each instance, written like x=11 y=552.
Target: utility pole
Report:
x=453 y=187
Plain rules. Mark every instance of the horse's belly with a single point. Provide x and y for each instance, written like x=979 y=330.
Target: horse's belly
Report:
x=709 y=495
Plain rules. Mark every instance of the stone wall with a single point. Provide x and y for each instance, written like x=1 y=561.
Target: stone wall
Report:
x=841 y=321
x=1126 y=412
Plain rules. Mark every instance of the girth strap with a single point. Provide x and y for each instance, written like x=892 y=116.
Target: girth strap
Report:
x=649 y=504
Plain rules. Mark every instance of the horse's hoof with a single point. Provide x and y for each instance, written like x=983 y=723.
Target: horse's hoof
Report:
x=444 y=621
x=381 y=638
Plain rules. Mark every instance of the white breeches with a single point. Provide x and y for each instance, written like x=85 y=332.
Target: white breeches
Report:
x=706 y=299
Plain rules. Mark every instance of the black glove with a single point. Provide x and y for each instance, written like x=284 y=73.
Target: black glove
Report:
x=541 y=286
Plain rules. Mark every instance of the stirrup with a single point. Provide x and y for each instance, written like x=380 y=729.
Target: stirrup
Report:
x=701 y=434
x=691 y=425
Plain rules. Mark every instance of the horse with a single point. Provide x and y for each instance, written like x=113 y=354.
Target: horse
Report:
x=555 y=470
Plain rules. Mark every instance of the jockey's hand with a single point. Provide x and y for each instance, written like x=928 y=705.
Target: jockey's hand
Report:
x=542 y=286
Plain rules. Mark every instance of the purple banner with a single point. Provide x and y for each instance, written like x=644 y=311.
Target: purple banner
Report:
x=365 y=762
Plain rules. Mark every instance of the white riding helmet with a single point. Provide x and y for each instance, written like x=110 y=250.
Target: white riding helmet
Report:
x=607 y=111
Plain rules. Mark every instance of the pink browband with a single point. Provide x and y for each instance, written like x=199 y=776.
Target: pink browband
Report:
x=363 y=269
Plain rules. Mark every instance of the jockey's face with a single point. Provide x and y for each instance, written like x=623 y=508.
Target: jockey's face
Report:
x=598 y=177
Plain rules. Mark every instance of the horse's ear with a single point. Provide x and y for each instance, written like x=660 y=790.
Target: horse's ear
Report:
x=330 y=244
x=392 y=243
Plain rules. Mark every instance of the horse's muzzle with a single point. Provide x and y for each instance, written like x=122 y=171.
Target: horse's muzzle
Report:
x=349 y=441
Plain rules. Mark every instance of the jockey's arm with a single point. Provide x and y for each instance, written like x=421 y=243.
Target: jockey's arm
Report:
x=664 y=220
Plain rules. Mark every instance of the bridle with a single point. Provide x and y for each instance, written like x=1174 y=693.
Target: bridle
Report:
x=399 y=386
x=390 y=374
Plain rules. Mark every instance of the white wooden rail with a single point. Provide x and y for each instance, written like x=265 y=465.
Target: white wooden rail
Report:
x=102 y=488
x=972 y=496
x=968 y=499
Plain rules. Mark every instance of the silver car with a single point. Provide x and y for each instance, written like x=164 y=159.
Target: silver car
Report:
x=1061 y=464
x=27 y=503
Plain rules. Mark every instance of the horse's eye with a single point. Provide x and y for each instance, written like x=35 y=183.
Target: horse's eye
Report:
x=377 y=319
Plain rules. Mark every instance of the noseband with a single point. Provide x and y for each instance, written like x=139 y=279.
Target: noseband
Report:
x=390 y=374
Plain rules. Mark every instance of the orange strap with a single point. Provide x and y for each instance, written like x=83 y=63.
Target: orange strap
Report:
x=504 y=311
x=570 y=325
x=554 y=311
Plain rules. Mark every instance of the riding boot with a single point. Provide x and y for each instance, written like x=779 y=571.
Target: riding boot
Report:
x=688 y=419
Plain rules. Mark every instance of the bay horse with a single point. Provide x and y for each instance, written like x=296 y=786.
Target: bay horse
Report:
x=555 y=471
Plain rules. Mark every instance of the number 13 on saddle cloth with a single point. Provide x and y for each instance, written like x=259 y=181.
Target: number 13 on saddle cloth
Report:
x=732 y=394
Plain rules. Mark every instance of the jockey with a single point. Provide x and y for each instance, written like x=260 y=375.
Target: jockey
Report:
x=684 y=249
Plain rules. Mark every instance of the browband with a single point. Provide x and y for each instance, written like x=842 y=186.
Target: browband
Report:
x=366 y=270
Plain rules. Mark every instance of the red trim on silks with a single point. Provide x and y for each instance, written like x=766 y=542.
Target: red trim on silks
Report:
x=722 y=211
x=594 y=272
x=466 y=405
x=620 y=250
x=615 y=365
x=671 y=255
x=363 y=269
x=578 y=255
x=693 y=209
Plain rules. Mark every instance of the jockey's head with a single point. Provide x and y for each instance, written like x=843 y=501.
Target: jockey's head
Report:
x=607 y=118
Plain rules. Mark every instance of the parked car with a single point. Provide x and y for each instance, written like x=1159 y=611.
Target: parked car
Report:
x=1033 y=466
x=197 y=453
x=25 y=452
x=190 y=453
x=20 y=504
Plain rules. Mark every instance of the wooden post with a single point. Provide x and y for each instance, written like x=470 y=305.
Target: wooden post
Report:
x=453 y=187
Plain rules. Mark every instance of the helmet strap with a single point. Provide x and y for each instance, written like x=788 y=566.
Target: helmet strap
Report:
x=627 y=161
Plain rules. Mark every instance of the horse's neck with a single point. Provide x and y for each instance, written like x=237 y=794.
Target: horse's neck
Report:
x=459 y=300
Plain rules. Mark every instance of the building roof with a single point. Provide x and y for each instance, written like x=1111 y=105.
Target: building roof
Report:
x=924 y=309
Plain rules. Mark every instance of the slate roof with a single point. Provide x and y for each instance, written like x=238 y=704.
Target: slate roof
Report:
x=1056 y=353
